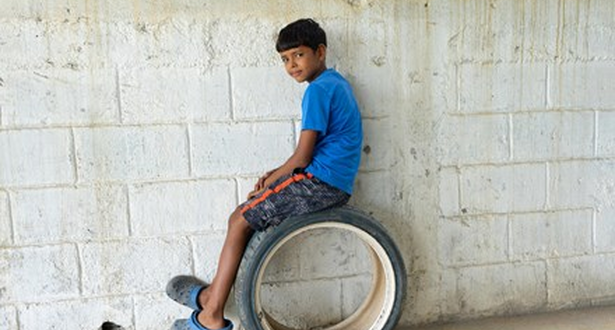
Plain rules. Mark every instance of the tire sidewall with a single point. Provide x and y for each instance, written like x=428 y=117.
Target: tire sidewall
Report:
x=262 y=244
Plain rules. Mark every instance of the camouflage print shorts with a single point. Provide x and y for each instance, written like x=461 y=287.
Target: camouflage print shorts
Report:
x=294 y=194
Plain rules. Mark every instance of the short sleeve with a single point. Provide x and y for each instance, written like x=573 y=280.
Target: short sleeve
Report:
x=316 y=109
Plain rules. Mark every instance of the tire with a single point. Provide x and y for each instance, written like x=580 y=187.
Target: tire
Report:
x=382 y=306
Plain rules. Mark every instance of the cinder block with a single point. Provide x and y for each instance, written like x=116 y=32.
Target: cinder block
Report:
x=77 y=314
x=537 y=27
x=605 y=227
x=69 y=214
x=137 y=266
x=377 y=141
x=373 y=90
x=508 y=32
x=582 y=184
x=14 y=8
x=60 y=97
x=306 y=304
x=502 y=288
x=473 y=240
x=502 y=87
x=473 y=139
x=582 y=85
x=74 y=44
x=131 y=153
x=367 y=67
x=6 y=227
x=265 y=93
x=369 y=46
x=443 y=291
x=448 y=188
x=217 y=96
x=255 y=35
x=157 y=311
x=331 y=253
x=246 y=148
x=551 y=235
x=597 y=12
x=170 y=42
x=606 y=134
x=581 y=22
x=558 y=135
x=32 y=157
x=204 y=206
x=577 y=280
x=601 y=38
x=8 y=318
x=172 y=95
x=79 y=38
x=354 y=291
x=375 y=191
x=207 y=248
x=336 y=27
x=432 y=291
x=23 y=41
x=502 y=189
x=39 y=273
x=10 y=7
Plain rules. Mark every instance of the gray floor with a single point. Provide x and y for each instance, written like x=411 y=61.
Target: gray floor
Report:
x=602 y=318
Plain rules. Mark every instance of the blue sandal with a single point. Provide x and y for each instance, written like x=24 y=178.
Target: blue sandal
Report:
x=193 y=324
x=185 y=290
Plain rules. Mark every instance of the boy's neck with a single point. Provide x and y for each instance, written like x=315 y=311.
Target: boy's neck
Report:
x=322 y=69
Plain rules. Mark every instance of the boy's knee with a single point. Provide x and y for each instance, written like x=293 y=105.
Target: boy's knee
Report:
x=236 y=220
x=236 y=215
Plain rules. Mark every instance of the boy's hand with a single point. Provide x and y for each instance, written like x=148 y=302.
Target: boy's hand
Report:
x=260 y=184
x=254 y=193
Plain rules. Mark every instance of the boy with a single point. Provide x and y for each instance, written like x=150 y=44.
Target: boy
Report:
x=319 y=174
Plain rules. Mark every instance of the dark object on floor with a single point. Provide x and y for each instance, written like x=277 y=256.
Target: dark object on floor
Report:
x=110 y=326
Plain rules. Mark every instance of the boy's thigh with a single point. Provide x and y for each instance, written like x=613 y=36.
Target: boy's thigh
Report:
x=290 y=195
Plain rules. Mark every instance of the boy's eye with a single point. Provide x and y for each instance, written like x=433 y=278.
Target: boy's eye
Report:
x=298 y=54
x=284 y=60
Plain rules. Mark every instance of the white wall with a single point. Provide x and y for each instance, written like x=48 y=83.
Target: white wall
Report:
x=130 y=129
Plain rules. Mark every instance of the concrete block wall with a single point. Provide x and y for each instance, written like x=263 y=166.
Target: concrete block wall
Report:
x=526 y=185
x=129 y=130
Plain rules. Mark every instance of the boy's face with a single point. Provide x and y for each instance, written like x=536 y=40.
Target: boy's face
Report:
x=303 y=63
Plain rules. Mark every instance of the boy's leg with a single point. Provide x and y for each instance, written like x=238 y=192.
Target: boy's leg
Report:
x=294 y=194
x=213 y=299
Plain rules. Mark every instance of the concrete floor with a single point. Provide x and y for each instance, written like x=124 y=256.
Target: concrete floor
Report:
x=602 y=318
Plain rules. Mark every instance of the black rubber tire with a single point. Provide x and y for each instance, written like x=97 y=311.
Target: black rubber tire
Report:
x=263 y=245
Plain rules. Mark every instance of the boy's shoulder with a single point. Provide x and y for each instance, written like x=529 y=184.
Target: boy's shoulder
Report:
x=329 y=80
x=328 y=76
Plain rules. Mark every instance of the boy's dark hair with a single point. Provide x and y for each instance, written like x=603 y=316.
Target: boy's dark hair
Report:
x=303 y=32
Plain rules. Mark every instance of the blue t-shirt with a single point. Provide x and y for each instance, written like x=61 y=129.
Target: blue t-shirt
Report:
x=329 y=107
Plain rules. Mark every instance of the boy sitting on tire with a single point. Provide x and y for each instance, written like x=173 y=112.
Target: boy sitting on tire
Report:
x=318 y=175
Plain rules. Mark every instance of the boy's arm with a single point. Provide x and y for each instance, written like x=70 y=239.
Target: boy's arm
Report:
x=300 y=158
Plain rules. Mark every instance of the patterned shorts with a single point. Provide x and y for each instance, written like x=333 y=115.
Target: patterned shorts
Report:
x=293 y=194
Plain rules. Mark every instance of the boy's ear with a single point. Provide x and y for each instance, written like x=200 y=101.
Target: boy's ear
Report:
x=321 y=52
